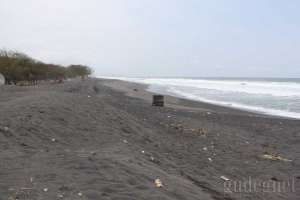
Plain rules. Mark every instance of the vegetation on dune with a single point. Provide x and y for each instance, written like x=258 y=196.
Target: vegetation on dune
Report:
x=18 y=67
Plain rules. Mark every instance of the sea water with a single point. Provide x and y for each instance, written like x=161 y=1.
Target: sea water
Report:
x=274 y=96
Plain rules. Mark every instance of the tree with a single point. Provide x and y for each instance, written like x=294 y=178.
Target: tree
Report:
x=79 y=71
x=16 y=67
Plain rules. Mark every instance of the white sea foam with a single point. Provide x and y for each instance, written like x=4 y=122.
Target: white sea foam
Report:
x=283 y=89
x=269 y=97
x=238 y=105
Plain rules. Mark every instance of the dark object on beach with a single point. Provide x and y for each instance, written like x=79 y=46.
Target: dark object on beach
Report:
x=135 y=90
x=158 y=100
x=96 y=89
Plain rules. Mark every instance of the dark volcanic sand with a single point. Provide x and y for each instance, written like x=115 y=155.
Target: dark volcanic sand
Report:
x=89 y=140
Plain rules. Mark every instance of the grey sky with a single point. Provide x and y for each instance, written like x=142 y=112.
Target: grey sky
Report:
x=158 y=37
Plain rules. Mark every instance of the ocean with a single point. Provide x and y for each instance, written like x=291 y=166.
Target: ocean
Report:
x=273 y=96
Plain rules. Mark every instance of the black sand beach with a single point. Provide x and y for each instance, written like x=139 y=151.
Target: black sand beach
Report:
x=102 y=139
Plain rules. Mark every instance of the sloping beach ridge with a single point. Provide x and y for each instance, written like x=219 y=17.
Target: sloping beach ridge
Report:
x=102 y=139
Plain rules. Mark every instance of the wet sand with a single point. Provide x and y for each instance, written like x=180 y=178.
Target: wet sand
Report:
x=102 y=139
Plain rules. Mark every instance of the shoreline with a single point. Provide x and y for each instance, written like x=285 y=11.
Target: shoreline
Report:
x=232 y=105
x=104 y=140
x=145 y=87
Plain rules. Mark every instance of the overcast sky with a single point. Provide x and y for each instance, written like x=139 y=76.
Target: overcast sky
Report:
x=158 y=37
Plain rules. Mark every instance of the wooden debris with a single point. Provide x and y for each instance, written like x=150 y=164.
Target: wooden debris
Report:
x=225 y=178
x=275 y=158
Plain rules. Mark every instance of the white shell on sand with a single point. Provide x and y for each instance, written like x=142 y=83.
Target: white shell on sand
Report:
x=158 y=183
x=2 y=79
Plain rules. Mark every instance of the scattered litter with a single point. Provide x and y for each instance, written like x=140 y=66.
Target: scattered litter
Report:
x=79 y=194
x=53 y=139
x=31 y=179
x=169 y=116
x=158 y=183
x=125 y=141
x=4 y=129
x=64 y=188
x=202 y=131
x=90 y=158
x=274 y=179
x=60 y=196
x=177 y=126
x=152 y=158
x=272 y=157
x=89 y=96
x=208 y=113
x=204 y=148
x=225 y=178
x=24 y=188
x=247 y=142
x=143 y=152
x=210 y=160
x=45 y=189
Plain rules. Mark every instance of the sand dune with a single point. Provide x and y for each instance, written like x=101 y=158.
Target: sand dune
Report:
x=101 y=139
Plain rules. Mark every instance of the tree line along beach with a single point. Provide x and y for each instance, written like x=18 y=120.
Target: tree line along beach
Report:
x=102 y=139
x=19 y=68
